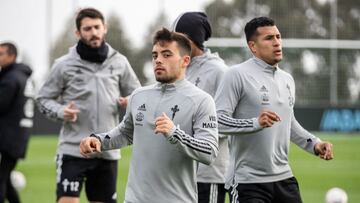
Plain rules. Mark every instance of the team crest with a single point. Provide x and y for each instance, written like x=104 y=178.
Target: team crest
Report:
x=139 y=117
x=174 y=110
x=265 y=99
x=197 y=81
x=290 y=98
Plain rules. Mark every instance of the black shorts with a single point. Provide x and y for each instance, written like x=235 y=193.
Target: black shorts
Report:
x=99 y=176
x=211 y=193
x=283 y=191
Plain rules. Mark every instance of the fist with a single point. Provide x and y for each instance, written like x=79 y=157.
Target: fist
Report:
x=89 y=145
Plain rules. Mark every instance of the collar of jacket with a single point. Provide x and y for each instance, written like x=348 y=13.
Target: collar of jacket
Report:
x=6 y=69
x=266 y=67
x=205 y=57
x=96 y=55
x=80 y=62
x=169 y=87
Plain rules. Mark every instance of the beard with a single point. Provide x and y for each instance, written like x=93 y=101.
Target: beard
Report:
x=94 y=42
x=165 y=79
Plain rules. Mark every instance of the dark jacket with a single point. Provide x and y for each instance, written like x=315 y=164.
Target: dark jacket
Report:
x=14 y=126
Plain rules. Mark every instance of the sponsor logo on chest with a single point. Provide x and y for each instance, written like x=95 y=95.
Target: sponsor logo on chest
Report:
x=264 y=94
x=139 y=117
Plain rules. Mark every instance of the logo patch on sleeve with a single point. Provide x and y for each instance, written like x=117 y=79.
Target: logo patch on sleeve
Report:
x=211 y=124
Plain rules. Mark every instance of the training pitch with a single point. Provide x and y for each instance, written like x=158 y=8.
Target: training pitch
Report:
x=315 y=176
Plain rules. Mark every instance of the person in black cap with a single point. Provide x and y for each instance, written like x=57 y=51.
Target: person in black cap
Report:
x=205 y=71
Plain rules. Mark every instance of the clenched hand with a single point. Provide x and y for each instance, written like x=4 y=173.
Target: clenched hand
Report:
x=268 y=118
x=163 y=124
x=324 y=150
x=89 y=145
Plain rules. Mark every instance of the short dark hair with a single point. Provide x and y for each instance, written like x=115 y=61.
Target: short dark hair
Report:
x=11 y=48
x=164 y=35
x=90 y=13
x=252 y=25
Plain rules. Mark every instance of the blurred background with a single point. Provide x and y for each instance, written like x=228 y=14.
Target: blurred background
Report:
x=321 y=46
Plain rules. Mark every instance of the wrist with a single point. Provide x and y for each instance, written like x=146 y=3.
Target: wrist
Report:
x=257 y=125
x=95 y=136
x=60 y=113
x=170 y=137
x=316 y=150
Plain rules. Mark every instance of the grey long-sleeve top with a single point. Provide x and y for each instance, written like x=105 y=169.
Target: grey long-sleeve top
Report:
x=163 y=169
x=260 y=156
x=94 y=88
x=205 y=71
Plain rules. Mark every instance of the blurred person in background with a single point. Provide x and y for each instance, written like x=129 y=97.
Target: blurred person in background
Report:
x=171 y=125
x=16 y=112
x=205 y=71
x=259 y=168
x=84 y=91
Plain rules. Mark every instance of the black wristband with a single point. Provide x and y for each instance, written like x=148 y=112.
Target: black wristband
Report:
x=97 y=137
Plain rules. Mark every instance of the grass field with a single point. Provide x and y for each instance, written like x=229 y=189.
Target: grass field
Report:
x=315 y=176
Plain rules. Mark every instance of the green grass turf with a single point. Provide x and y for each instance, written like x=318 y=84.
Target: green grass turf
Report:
x=315 y=176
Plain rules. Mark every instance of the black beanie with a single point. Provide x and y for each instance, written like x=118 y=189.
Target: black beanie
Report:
x=195 y=25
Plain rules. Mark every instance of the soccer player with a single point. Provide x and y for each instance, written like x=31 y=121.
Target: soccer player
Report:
x=84 y=91
x=205 y=71
x=259 y=168
x=172 y=125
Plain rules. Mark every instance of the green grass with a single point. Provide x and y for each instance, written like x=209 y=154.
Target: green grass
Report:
x=315 y=176
x=39 y=170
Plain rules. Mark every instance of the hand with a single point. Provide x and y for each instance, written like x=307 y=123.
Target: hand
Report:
x=164 y=125
x=123 y=101
x=89 y=145
x=268 y=118
x=70 y=112
x=324 y=150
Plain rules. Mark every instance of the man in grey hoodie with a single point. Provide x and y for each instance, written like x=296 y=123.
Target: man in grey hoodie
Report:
x=171 y=125
x=205 y=71
x=259 y=170
x=85 y=89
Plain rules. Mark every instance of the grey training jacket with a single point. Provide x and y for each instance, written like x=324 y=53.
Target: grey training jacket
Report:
x=261 y=156
x=94 y=88
x=163 y=169
x=206 y=71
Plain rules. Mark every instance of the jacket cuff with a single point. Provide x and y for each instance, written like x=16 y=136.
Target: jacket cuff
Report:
x=311 y=147
x=104 y=140
x=256 y=124
x=96 y=136
x=60 y=113
x=171 y=137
